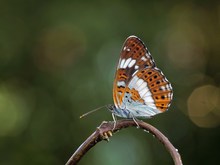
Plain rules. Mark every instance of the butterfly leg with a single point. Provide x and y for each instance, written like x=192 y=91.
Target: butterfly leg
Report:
x=135 y=120
x=115 y=121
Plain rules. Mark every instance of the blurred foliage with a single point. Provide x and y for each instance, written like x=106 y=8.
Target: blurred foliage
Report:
x=57 y=61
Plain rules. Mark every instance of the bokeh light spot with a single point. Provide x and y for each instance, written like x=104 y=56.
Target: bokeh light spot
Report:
x=59 y=47
x=186 y=44
x=203 y=106
x=13 y=112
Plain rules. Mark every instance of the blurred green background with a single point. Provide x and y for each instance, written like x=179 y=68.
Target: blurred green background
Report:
x=58 y=59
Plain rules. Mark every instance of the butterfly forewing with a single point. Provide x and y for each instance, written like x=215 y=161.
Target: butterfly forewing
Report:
x=134 y=56
x=140 y=87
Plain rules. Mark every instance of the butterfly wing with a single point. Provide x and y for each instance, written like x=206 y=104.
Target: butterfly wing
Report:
x=152 y=93
x=135 y=52
x=139 y=86
x=134 y=56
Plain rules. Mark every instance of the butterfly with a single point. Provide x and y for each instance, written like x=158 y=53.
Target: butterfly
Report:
x=140 y=89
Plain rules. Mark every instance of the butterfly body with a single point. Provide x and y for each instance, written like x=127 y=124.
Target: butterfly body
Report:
x=140 y=89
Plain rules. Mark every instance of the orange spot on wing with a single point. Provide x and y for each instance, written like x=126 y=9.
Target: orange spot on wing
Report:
x=118 y=94
x=115 y=95
x=162 y=101
x=135 y=95
x=121 y=75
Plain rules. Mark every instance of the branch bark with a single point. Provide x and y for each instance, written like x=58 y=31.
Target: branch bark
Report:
x=104 y=131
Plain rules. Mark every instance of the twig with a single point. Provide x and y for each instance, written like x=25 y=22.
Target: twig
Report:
x=104 y=131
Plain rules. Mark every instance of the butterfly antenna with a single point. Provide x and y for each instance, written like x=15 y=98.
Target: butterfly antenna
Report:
x=87 y=113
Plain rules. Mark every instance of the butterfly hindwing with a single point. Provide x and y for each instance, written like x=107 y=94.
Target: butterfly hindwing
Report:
x=153 y=88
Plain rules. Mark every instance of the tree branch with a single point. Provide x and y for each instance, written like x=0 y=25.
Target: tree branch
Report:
x=104 y=131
